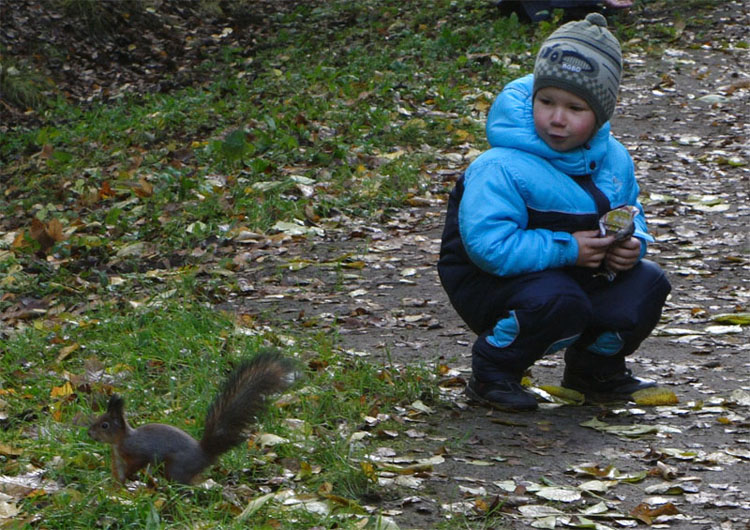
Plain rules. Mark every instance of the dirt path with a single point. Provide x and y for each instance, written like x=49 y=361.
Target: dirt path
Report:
x=685 y=119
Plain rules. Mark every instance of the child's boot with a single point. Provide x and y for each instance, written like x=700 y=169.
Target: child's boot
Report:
x=497 y=377
x=599 y=377
x=508 y=395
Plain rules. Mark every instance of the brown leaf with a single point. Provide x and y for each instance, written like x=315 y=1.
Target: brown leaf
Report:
x=54 y=229
x=647 y=514
x=46 y=234
x=66 y=351
x=19 y=241
x=46 y=151
x=7 y=450
x=106 y=191
x=144 y=188
x=310 y=214
x=37 y=229
x=743 y=83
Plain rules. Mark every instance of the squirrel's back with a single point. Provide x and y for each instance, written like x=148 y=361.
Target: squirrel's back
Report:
x=181 y=454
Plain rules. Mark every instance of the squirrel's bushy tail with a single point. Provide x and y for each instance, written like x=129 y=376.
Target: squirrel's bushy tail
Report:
x=242 y=398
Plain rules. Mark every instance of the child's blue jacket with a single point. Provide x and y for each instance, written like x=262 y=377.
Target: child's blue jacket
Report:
x=523 y=200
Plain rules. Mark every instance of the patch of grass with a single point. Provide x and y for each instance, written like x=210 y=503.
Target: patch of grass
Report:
x=166 y=360
x=20 y=86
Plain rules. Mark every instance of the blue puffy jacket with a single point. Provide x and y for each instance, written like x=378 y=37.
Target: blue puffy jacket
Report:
x=522 y=200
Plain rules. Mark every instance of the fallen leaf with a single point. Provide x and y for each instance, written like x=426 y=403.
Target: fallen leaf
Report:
x=8 y=450
x=559 y=494
x=254 y=505
x=566 y=394
x=739 y=319
x=66 y=351
x=62 y=391
x=655 y=396
x=645 y=513
x=46 y=234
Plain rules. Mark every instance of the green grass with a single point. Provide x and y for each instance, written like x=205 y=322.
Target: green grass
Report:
x=20 y=85
x=166 y=362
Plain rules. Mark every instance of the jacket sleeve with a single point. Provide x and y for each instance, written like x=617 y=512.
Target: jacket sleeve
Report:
x=493 y=219
x=632 y=191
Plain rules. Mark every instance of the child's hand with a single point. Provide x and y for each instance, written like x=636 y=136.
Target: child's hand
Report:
x=592 y=248
x=623 y=255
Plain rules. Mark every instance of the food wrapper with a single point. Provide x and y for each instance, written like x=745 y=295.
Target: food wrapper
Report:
x=618 y=222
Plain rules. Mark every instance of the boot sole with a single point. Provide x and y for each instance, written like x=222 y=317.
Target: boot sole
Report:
x=473 y=396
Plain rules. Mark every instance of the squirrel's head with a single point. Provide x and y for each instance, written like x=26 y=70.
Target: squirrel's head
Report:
x=110 y=425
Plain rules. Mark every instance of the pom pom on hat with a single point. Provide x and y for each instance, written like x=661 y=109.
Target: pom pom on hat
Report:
x=584 y=58
x=597 y=19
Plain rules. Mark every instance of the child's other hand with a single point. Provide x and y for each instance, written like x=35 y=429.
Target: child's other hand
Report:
x=592 y=248
x=623 y=255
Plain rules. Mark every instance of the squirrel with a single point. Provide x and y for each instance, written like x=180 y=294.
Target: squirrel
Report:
x=234 y=408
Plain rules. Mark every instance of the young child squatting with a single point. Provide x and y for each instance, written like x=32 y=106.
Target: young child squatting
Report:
x=522 y=258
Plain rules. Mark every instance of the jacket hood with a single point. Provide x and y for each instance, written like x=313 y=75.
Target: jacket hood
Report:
x=510 y=123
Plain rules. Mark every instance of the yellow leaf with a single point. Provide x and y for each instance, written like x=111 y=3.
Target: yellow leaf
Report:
x=66 y=351
x=423 y=467
x=655 y=396
x=354 y=265
x=57 y=413
x=62 y=391
x=343 y=501
x=305 y=471
x=567 y=394
x=7 y=450
x=144 y=188
x=369 y=470
x=463 y=135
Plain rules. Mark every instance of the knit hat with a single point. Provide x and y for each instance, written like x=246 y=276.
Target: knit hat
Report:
x=584 y=58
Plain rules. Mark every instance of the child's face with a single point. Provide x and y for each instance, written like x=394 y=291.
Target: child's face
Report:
x=563 y=120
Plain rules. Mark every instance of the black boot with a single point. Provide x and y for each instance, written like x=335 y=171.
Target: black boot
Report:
x=602 y=386
x=599 y=377
x=508 y=395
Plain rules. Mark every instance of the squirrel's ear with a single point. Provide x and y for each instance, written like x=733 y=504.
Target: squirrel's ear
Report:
x=116 y=404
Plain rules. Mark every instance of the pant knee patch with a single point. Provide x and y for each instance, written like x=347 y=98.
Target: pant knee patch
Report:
x=608 y=344
x=505 y=331
x=561 y=344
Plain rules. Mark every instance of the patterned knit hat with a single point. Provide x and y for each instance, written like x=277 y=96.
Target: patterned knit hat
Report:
x=584 y=58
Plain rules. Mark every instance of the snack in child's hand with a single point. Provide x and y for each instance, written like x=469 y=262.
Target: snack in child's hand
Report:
x=618 y=222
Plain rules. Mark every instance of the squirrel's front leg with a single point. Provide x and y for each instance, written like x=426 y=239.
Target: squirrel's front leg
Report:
x=124 y=468
x=118 y=465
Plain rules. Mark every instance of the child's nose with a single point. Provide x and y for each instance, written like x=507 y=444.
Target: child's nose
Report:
x=558 y=116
